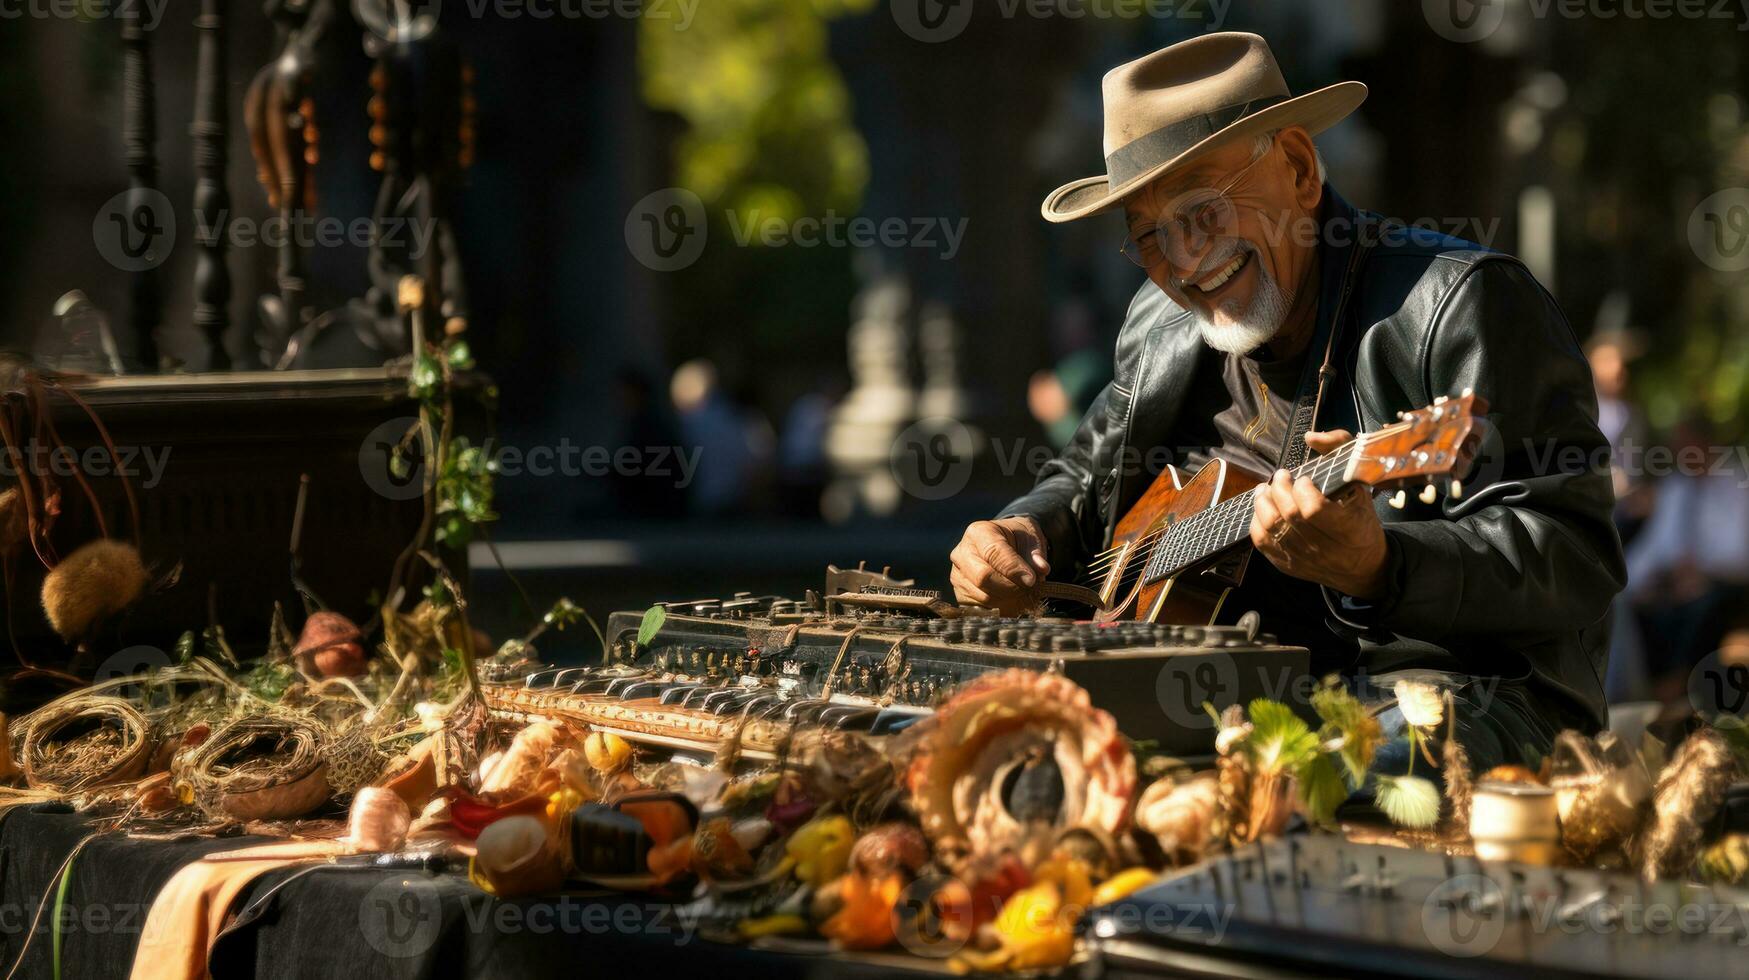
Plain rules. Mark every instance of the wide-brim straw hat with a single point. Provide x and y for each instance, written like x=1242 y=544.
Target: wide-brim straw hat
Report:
x=1164 y=111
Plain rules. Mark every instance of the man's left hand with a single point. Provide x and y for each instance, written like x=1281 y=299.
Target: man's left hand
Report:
x=1339 y=543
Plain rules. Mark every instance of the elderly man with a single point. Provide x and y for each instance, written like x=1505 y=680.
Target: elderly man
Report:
x=1278 y=319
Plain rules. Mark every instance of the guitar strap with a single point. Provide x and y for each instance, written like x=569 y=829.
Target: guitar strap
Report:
x=1314 y=382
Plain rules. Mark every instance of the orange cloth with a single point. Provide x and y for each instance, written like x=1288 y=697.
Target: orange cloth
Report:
x=192 y=907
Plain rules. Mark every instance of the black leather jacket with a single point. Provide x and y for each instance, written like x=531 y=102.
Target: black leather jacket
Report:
x=1515 y=578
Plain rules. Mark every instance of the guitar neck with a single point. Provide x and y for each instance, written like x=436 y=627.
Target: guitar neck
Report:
x=1202 y=536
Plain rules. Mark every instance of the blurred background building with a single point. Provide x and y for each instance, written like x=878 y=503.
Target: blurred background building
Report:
x=798 y=242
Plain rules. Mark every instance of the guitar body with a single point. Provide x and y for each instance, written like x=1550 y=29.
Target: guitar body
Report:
x=1194 y=567
x=1194 y=596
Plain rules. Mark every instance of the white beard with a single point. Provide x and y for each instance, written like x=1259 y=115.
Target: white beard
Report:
x=1241 y=330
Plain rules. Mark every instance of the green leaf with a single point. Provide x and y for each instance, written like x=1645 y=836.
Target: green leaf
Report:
x=423 y=380
x=1345 y=717
x=654 y=617
x=1409 y=801
x=1322 y=789
x=185 y=647
x=563 y=614
x=1280 y=740
x=60 y=906
x=460 y=358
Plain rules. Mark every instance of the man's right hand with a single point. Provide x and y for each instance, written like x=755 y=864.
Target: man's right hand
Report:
x=999 y=564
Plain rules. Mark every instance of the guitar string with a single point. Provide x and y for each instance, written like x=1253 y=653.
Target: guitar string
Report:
x=1319 y=470
x=1197 y=536
x=1102 y=562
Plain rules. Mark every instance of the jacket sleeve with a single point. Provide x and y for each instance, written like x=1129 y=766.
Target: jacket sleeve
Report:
x=1530 y=547
x=1064 y=501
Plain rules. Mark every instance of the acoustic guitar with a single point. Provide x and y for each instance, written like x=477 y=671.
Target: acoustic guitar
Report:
x=1177 y=553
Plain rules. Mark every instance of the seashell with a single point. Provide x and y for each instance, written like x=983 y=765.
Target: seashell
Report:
x=516 y=856
x=1181 y=816
x=890 y=848
x=1006 y=731
x=378 y=821
x=607 y=752
x=329 y=646
x=520 y=764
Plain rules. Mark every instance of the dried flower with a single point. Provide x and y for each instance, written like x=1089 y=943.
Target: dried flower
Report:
x=1409 y=801
x=1420 y=703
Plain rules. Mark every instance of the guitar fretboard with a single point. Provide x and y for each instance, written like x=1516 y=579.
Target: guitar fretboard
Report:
x=1210 y=532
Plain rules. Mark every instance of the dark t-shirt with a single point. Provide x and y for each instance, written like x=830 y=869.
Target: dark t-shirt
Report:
x=1239 y=409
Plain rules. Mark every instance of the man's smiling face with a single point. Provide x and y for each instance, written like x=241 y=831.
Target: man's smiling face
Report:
x=1232 y=258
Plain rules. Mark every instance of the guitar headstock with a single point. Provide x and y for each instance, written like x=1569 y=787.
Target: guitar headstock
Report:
x=1423 y=449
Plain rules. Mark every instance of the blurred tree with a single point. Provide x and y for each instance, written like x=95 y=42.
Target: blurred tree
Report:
x=1653 y=126
x=769 y=120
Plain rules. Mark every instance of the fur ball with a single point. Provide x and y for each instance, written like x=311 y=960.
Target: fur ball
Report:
x=1688 y=793
x=90 y=585
x=13 y=525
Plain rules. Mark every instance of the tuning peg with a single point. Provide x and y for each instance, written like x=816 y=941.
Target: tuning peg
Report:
x=1429 y=494
x=1400 y=499
x=1440 y=399
x=1468 y=392
x=1456 y=489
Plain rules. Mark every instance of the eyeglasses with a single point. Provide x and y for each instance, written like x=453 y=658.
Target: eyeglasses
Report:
x=1194 y=217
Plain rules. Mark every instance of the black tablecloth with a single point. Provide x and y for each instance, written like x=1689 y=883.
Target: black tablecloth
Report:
x=354 y=922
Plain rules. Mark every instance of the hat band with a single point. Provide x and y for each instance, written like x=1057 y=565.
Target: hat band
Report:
x=1144 y=153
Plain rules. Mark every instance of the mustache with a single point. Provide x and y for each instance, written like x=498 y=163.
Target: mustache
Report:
x=1221 y=252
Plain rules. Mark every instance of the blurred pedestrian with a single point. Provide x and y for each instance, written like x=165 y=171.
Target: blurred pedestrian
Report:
x=732 y=445
x=1688 y=569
